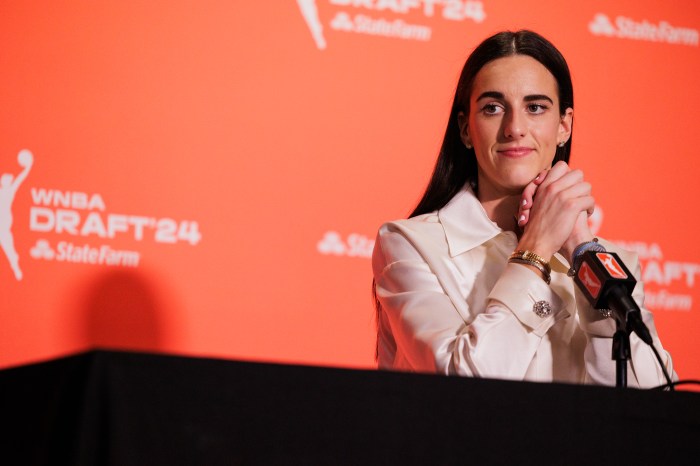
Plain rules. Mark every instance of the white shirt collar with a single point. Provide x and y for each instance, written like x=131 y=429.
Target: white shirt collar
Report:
x=466 y=223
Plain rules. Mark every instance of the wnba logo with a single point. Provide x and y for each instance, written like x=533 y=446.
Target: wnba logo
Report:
x=9 y=185
x=310 y=14
x=611 y=265
x=589 y=280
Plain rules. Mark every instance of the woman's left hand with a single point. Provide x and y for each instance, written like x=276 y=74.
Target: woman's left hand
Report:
x=581 y=232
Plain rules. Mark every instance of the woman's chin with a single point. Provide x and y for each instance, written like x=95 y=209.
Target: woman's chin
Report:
x=517 y=185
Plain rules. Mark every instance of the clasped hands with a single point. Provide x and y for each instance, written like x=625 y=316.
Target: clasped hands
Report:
x=554 y=210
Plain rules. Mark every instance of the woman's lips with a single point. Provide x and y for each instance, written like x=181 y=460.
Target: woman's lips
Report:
x=515 y=151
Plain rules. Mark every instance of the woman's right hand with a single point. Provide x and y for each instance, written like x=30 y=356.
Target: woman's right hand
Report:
x=555 y=211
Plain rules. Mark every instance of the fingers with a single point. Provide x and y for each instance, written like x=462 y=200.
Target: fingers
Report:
x=527 y=198
x=590 y=210
x=549 y=209
x=560 y=181
x=549 y=175
x=526 y=202
x=531 y=188
x=581 y=233
x=566 y=186
x=540 y=177
x=523 y=217
x=558 y=170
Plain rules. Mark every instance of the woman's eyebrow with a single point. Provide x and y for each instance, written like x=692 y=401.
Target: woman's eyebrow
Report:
x=500 y=96
x=490 y=95
x=530 y=98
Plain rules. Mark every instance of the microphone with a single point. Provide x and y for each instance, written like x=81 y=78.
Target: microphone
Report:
x=608 y=284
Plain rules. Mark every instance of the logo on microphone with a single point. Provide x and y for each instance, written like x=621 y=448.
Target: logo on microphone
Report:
x=589 y=280
x=611 y=265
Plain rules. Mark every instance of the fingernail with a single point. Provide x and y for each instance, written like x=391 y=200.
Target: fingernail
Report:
x=537 y=177
x=524 y=202
x=521 y=219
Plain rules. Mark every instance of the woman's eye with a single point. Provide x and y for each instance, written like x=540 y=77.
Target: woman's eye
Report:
x=491 y=109
x=536 y=108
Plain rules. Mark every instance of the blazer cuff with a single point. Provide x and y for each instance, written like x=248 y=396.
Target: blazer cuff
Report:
x=519 y=289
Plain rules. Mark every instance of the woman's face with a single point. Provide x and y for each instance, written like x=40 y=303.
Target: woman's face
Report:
x=513 y=124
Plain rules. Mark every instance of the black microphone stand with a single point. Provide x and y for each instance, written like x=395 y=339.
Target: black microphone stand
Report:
x=621 y=353
x=627 y=319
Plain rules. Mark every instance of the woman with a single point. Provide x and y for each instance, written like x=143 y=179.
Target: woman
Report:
x=475 y=282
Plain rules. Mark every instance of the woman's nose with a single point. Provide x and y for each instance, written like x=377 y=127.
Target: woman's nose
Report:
x=514 y=125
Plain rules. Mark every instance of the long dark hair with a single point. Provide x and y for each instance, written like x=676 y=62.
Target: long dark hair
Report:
x=456 y=165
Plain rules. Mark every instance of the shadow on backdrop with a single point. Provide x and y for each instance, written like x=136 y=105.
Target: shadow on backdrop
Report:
x=121 y=312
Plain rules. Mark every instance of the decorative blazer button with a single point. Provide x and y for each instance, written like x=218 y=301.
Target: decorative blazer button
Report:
x=542 y=309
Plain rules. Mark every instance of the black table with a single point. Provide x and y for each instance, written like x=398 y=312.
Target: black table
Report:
x=122 y=408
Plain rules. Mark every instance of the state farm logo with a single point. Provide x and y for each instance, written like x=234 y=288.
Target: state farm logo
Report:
x=642 y=30
x=354 y=245
x=361 y=17
x=69 y=252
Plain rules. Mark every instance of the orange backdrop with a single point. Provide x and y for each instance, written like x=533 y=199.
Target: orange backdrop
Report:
x=208 y=177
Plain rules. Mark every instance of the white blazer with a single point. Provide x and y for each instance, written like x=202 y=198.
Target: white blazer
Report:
x=452 y=304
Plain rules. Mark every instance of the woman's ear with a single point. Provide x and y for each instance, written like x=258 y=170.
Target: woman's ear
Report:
x=463 y=123
x=565 y=125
